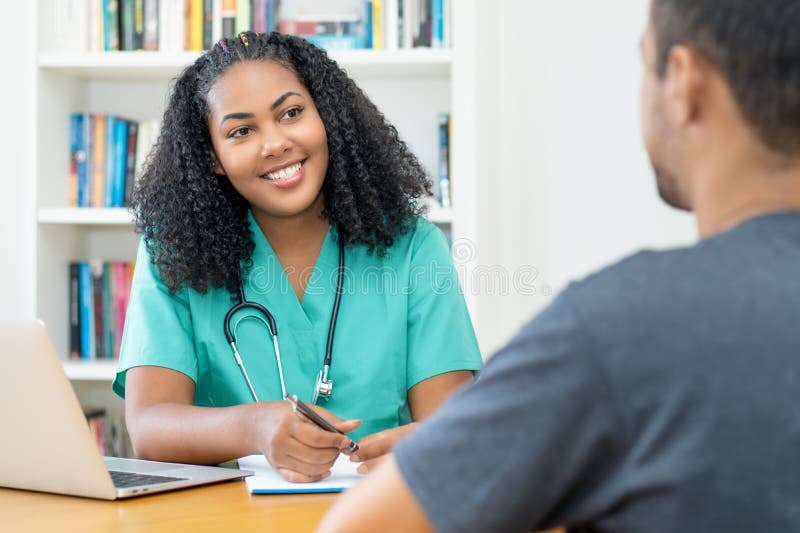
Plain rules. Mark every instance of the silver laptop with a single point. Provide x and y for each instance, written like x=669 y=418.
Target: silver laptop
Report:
x=46 y=443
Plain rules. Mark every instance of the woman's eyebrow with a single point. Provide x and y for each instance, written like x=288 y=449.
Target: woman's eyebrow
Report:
x=283 y=97
x=236 y=116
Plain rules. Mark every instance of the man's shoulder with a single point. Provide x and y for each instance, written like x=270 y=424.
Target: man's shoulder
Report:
x=640 y=276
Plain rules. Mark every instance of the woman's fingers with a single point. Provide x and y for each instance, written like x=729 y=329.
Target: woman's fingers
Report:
x=296 y=477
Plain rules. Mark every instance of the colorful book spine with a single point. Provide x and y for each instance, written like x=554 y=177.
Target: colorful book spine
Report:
x=130 y=162
x=195 y=25
x=98 y=159
x=151 y=12
x=228 y=18
x=110 y=25
x=138 y=25
x=74 y=311
x=259 y=16
x=76 y=153
x=127 y=15
x=109 y=167
x=109 y=324
x=120 y=163
x=377 y=24
x=85 y=173
x=98 y=307
x=437 y=24
x=444 y=159
x=208 y=23
x=244 y=16
x=87 y=311
x=369 y=33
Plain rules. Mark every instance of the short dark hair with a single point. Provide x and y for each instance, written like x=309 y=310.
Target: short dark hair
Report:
x=195 y=223
x=755 y=46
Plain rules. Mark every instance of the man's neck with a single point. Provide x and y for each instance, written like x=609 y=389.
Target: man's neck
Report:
x=736 y=191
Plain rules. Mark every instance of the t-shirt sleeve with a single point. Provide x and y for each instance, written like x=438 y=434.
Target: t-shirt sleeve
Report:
x=506 y=452
x=440 y=334
x=158 y=326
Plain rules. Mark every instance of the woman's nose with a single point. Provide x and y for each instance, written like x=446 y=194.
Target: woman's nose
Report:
x=275 y=146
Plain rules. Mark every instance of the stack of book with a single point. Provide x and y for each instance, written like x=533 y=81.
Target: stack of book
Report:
x=98 y=300
x=195 y=25
x=106 y=153
x=95 y=416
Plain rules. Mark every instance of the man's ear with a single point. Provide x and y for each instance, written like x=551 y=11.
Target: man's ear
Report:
x=217 y=165
x=684 y=86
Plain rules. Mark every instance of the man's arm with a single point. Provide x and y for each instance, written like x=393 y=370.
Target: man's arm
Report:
x=363 y=508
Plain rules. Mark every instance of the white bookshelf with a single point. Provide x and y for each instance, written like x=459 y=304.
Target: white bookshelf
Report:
x=414 y=63
x=409 y=86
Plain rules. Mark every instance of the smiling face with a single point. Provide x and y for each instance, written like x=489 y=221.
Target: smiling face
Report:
x=268 y=139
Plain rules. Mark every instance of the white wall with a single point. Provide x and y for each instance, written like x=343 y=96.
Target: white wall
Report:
x=565 y=185
x=17 y=174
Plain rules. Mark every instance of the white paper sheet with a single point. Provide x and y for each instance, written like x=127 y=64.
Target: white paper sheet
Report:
x=268 y=481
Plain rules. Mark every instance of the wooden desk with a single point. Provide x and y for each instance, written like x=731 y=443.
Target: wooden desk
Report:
x=222 y=507
x=226 y=507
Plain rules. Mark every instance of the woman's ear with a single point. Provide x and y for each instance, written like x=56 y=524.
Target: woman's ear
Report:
x=216 y=165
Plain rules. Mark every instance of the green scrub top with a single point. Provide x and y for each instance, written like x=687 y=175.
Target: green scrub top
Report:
x=402 y=319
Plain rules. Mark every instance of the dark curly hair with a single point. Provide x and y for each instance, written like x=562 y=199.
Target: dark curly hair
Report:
x=195 y=223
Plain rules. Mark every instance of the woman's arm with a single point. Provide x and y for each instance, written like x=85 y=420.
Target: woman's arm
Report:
x=423 y=399
x=165 y=426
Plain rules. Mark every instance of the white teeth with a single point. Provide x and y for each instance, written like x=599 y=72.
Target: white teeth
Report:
x=284 y=172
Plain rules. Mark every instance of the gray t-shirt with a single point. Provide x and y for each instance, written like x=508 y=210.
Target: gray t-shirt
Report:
x=661 y=394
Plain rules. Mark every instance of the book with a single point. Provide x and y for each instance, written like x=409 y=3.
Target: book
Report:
x=120 y=140
x=228 y=18
x=391 y=21
x=444 y=159
x=97 y=186
x=127 y=20
x=377 y=24
x=76 y=152
x=170 y=26
x=437 y=24
x=87 y=311
x=208 y=22
x=109 y=167
x=151 y=13
x=138 y=25
x=244 y=15
x=259 y=16
x=95 y=417
x=110 y=25
x=130 y=162
x=98 y=308
x=74 y=311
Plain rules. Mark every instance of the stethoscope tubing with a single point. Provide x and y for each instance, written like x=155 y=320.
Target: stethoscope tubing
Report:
x=243 y=303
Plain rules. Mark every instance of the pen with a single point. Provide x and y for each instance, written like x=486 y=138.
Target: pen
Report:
x=301 y=407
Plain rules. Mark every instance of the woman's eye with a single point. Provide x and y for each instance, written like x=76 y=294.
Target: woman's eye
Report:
x=240 y=132
x=293 y=113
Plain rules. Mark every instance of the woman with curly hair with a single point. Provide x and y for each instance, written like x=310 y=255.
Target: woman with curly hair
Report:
x=276 y=182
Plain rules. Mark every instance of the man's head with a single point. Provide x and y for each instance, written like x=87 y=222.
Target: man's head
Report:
x=718 y=72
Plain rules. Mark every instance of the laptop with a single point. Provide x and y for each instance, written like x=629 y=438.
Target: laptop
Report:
x=46 y=444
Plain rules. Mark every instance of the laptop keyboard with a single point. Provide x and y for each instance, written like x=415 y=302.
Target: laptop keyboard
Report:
x=129 y=479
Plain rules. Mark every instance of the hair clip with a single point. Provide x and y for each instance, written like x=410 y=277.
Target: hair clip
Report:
x=243 y=38
x=222 y=45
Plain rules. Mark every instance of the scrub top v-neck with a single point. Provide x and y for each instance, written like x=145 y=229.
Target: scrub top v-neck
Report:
x=402 y=319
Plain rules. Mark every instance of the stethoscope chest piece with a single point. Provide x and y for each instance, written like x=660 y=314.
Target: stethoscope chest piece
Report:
x=323 y=388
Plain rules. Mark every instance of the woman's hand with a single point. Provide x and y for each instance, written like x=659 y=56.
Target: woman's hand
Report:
x=295 y=447
x=373 y=448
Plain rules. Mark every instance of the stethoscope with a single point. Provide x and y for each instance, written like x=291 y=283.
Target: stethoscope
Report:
x=324 y=386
